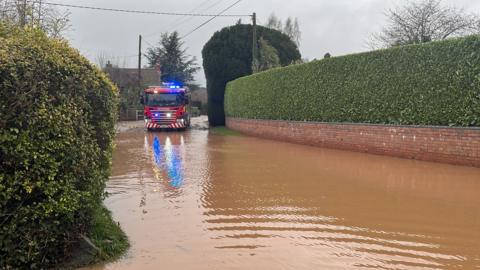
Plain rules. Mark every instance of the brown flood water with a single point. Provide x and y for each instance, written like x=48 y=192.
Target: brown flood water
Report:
x=195 y=200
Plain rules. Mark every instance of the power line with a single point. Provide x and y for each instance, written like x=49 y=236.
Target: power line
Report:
x=145 y=12
x=213 y=16
x=211 y=19
x=187 y=19
x=214 y=4
x=174 y=25
x=146 y=41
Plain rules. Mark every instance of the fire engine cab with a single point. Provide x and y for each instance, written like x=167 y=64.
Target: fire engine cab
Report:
x=166 y=107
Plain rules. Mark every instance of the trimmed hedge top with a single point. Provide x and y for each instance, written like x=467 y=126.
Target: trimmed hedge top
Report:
x=228 y=56
x=436 y=83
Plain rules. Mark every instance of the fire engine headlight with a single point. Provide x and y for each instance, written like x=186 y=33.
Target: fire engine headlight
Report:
x=180 y=121
x=148 y=120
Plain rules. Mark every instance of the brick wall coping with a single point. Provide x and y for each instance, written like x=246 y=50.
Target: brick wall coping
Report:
x=356 y=124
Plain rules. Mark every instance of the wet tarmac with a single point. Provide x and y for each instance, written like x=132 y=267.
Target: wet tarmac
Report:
x=196 y=200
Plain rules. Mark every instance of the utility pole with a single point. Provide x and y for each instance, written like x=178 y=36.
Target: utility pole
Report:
x=140 y=62
x=254 y=40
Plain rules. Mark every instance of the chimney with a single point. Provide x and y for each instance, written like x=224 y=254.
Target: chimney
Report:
x=108 y=65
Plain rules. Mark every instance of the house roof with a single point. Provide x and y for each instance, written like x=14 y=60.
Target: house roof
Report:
x=124 y=77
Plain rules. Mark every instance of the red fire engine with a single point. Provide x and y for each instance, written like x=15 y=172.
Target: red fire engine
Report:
x=166 y=107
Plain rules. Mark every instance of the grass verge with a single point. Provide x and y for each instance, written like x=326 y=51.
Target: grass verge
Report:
x=224 y=131
x=105 y=242
x=107 y=236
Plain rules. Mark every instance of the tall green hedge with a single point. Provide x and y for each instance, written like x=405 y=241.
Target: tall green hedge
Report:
x=228 y=55
x=432 y=84
x=57 y=115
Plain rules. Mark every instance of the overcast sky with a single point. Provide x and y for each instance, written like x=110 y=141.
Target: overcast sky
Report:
x=336 y=26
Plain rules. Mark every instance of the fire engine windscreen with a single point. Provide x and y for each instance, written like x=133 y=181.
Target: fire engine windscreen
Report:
x=164 y=99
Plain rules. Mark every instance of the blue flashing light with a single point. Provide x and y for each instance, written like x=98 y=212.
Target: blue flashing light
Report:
x=172 y=85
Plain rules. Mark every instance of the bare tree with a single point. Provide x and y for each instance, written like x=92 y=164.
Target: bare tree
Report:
x=55 y=23
x=424 y=21
x=288 y=28
x=274 y=22
x=36 y=14
x=104 y=59
x=297 y=33
x=291 y=27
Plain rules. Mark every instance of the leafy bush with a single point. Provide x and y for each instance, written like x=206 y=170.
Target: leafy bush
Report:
x=57 y=115
x=432 y=84
x=228 y=55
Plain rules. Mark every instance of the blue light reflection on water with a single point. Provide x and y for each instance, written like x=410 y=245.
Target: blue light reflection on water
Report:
x=167 y=158
x=157 y=151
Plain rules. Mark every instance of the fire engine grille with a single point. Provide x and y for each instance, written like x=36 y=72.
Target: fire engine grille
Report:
x=163 y=117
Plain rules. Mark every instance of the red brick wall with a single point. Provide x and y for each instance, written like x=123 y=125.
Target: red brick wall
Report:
x=460 y=146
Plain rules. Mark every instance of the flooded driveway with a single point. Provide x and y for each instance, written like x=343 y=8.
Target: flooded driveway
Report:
x=196 y=200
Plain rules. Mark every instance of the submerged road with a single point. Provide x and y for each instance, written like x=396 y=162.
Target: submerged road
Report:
x=196 y=200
